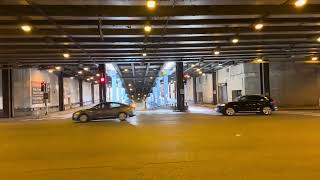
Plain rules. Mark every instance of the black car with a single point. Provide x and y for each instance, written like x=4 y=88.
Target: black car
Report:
x=248 y=103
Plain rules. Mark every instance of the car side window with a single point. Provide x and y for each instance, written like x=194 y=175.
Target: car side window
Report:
x=105 y=105
x=243 y=98
x=115 y=105
x=98 y=106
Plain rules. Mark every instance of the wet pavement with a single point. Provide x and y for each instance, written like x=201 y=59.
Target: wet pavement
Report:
x=162 y=144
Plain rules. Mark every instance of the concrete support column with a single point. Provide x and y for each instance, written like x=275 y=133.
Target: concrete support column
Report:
x=214 y=88
x=114 y=88
x=102 y=85
x=7 y=93
x=158 y=92
x=265 y=79
x=61 y=92
x=92 y=92
x=166 y=88
x=195 y=93
x=80 y=92
x=180 y=87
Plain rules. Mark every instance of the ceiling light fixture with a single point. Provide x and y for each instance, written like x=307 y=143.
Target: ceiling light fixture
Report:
x=216 y=52
x=129 y=85
x=26 y=28
x=66 y=55
x=314 y=58
x=98 y=75
x=258 y=26
x=58 y=68
x=86 y=68
x=91 y=77
x=193 y=65
x=50 y=70
x=125 y=70
x=144 y=54
x=151 y=4
x=147 y=28
x=235 y=40
x=71 y=77
x=318 y=39
x=300 y=3
x=80 y=72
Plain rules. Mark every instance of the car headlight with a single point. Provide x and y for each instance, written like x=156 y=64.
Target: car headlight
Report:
x=221 y=104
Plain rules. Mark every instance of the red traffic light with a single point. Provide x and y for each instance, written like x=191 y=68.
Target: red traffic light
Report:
x=102 y=79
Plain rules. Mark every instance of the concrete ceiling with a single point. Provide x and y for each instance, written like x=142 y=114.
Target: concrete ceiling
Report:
x=99 y=31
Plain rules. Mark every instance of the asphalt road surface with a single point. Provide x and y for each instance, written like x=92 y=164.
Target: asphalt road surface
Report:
x=163 y=145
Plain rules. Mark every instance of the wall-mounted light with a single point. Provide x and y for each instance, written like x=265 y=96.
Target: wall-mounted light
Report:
x=314 y=58
x=318 y=39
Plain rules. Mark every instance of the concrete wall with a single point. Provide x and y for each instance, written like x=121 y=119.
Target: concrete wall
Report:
x=71 y=91
x=233 y=76
x=295 y=84
x=86 y=87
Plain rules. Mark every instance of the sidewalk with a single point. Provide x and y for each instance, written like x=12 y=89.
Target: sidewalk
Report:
x=53 y=115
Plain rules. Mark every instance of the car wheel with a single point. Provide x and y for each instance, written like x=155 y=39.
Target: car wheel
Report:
x=83 y=118
x=230 y=111
x=122 y=116
x=266 y=110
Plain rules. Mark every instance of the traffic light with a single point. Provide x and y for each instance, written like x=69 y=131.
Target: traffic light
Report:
x=102 y=79
x=43 y=86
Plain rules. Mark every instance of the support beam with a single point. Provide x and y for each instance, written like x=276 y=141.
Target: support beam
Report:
x=7 y=93
x=61 y=92
x=80 y=92
x=180 y=87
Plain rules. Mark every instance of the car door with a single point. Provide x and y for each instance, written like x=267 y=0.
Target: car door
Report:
x=243 y=104
x=115 y=109
x=254 y=103
x=106 y=111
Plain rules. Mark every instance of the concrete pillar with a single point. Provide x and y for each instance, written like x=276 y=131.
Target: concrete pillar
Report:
x=180 y=87
x=166 y=88
x=195 y=93
x=92 y=92
x=214 y=88
x=265 y=79
x=114 y=88
x=7 y=93
x=61 y=92
x=158 y=92
x=80 y=93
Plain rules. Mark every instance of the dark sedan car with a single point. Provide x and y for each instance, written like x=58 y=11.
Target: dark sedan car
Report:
x=249 y=103
x=103 y=111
